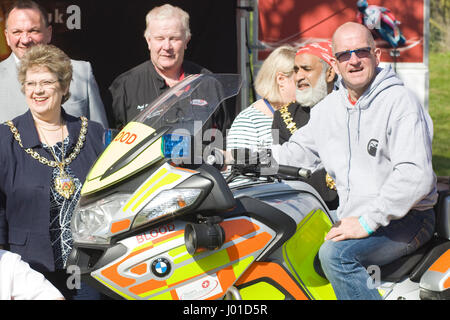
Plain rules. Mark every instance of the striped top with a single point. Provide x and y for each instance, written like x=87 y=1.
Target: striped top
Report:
x=251 y=129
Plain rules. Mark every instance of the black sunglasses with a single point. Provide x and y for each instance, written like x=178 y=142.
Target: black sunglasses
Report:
x=346 y=55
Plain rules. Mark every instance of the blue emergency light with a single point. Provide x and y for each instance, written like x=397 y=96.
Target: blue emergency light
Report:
x=176 y=146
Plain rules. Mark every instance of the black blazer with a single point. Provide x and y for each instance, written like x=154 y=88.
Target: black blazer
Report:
x=25 y=187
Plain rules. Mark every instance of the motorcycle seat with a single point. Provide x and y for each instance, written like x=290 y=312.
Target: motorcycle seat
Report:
x=413 y=264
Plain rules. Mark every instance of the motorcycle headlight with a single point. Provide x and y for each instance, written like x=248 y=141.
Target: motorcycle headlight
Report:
x=167 y=202
x=90 y=224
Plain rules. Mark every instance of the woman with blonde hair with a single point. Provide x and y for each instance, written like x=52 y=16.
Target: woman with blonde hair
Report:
x=45 y=155
x=275 y=84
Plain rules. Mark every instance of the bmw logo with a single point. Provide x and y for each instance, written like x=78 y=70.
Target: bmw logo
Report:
x=161 y=267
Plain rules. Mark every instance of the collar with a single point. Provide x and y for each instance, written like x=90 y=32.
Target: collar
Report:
x=159 y=81
x=16 y=60
x=10 y=66
x=29 y=135
x=181 y=77
x=162 y=82
x=353 y=102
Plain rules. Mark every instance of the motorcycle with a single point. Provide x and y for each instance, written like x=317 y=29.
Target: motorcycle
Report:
x=156 y=220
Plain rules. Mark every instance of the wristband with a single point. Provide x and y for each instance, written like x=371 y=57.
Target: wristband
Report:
x=365 y=225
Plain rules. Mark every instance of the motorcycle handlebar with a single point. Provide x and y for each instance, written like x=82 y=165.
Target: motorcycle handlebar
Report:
x=248 y=157
x=294 y=171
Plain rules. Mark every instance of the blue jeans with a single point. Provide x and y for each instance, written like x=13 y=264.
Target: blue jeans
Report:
x=345 y=262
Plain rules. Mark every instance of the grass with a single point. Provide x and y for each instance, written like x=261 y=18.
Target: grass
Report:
x=439 y=108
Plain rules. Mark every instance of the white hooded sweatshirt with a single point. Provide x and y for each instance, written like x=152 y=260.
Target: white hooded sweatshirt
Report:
x=377 y=151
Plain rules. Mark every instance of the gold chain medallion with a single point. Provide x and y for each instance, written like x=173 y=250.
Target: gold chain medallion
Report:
x=64 y=184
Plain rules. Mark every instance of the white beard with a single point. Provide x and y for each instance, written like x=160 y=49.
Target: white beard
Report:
x=311 y=96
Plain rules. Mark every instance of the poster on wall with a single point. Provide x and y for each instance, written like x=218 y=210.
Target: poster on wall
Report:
x=397 y=25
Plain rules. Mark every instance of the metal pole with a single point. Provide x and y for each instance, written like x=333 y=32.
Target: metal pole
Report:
x=243 y=59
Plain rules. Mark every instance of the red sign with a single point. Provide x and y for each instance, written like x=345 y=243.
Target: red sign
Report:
x=299 y=22
x=155 y=233
x=126 y=137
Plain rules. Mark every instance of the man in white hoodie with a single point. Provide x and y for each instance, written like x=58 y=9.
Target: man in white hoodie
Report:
x=374 y=138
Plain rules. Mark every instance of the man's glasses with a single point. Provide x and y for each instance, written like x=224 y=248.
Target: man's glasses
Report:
x=346 y=55
x=44 y=84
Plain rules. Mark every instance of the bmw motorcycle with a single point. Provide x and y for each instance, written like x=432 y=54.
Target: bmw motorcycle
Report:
x=156 y=220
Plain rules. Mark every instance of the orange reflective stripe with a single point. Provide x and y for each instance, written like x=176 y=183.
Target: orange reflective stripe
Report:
x=140 y=269
x=174 y=295
x=147 y=286
x=447 y=283
x=112 y=274
x=249 y=246
x=238 y=228
x=226 y=278
x=187 y=170
x=442 y=264
x=120 y=226
x=273 y=271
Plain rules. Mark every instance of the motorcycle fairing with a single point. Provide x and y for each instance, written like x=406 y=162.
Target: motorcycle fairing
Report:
x=166 y=177
x=130 y=137
x=299 y=253
x=206 y=275
x=269 y=280
x=437 y=277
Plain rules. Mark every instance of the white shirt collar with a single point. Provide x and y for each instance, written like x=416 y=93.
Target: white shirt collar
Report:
x=17 y=60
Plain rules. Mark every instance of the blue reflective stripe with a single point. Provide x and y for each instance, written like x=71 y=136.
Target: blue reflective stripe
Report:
x=365 y=226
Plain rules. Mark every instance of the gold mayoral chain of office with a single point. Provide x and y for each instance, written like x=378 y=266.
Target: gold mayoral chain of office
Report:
x=292 y=127
x=64 y=184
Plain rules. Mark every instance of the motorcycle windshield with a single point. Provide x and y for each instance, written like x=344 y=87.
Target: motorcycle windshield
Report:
x=191 y=103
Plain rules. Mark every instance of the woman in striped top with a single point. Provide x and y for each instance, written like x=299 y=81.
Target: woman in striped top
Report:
x=275 y=83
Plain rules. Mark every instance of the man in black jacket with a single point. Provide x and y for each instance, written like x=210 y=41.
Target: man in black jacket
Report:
x=167 y=35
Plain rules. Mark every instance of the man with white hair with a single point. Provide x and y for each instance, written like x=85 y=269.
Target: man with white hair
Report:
x=167 y=35
x=315 y=78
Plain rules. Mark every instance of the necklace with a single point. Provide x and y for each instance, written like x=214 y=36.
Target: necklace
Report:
x=64 y=184
x=287 y=118
x=47 y=128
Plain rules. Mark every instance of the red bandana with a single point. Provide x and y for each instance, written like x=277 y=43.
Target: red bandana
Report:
x=319 y=49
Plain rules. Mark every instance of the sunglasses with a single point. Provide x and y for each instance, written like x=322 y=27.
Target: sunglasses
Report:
x=346 y=55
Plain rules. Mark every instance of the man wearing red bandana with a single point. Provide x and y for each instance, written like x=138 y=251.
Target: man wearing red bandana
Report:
x=314 y=77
